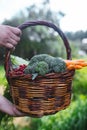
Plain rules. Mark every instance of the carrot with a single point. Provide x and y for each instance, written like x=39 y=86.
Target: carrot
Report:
x=75 y=64
x=83 y=64
x=70 y=67
x=78 y=67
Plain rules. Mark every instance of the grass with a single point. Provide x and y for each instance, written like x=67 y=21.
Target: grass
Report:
x=3 y=80
x=80 y=82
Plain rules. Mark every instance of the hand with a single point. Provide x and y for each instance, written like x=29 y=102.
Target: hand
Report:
x=7 y=107
x=9 y=36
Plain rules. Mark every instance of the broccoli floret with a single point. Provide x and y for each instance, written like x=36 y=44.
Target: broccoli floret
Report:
x=42 y=68
x=58 y=65
x=48 y=59
x=37 y=58
x=30 y=69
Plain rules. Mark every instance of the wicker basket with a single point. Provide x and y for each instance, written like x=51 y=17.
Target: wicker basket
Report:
x=44 y=95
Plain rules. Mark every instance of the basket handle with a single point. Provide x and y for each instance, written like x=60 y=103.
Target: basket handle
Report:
x=45 y=23
x=51 y=25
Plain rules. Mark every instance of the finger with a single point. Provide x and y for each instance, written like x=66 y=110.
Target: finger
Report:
x=13 y=48
x=16 y=31
x=12 y=41
x=9 y=45
x=17 y=113
x=14 y=37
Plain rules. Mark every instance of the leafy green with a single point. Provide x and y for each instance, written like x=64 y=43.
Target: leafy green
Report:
x=18 y=60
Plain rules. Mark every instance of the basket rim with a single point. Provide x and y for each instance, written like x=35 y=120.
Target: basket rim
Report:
x=52 y=74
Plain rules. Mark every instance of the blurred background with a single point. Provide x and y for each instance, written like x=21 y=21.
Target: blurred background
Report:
x=70 y=17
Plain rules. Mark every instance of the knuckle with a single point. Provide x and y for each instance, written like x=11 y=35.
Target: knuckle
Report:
x=8 y=45
x=18 y=39
x=15 y=42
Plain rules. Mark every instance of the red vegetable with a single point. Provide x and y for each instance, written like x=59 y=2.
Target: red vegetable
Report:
x=19 y=70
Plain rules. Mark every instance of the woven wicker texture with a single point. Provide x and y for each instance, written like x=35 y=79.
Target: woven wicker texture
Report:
x=46 y=94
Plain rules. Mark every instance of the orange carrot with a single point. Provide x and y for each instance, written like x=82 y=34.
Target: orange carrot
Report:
x=78 y=67
x=75 y=64
x=70 y=67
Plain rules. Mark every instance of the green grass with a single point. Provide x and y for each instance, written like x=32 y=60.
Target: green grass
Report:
x=3 y=80
x=80 y=82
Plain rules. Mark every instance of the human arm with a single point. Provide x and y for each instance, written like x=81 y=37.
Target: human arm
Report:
x=9 y=38
x=9 y=108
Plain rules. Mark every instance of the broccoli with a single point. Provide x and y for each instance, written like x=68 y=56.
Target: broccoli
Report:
x=42 y=68
x=38 y=58
x=58 y=65
x=30 y=69
x=48 y=59
x=43 y=64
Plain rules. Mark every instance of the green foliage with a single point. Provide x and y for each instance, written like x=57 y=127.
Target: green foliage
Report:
x=7 y=123
x=23 y=128
x=80 y=82
x=3 y=80
x=75 y=48
x=6 y=94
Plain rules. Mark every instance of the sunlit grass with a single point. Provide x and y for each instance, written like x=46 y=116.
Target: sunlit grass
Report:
x=80 y=82
x=3 y=80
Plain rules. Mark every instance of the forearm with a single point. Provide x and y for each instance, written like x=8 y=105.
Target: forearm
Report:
x=7 y=107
